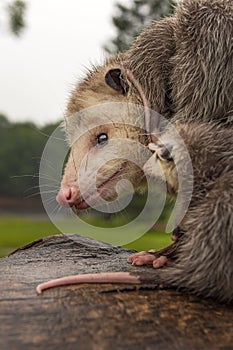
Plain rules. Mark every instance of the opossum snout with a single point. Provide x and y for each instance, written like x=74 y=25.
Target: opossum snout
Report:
x=68 y=195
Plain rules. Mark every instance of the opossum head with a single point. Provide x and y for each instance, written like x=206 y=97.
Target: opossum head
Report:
x=106 y=134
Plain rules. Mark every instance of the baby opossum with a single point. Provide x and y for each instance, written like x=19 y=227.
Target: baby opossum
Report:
x=184 y=67
x=202 y=261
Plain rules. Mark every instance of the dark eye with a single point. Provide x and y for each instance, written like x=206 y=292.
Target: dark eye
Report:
x=102 y=139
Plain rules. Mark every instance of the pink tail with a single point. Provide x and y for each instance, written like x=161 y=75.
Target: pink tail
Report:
x=103 y=277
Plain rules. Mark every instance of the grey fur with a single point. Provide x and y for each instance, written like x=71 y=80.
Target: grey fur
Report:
x=203 y=260
x=185 y=63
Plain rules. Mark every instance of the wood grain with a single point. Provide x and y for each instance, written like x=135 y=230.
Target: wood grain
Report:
x=99 y=316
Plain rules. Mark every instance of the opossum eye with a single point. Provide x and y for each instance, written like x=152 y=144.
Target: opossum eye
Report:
x=115 y=80
x=102 y=139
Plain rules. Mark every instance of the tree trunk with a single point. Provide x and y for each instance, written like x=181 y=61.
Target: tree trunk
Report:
x=99 y=316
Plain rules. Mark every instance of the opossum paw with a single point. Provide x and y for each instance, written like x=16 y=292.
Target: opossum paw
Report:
x=175 y=237
x=160 y=262
x=176 y=234
x=148 y=258
x=142 y=258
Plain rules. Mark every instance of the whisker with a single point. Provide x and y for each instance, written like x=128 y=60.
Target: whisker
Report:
x=36 y=176
x=59 y=208
x=47 y=177
x=49 y=136
x=50 y=165
x=55 y=209
x=21 y=176
x=50 y=200
x=49 y=191
x=39 y=193
x=41 y=186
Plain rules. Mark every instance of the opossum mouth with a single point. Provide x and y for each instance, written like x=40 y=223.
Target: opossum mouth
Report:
x=94 y=198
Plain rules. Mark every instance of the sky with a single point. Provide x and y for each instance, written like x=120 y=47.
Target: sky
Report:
x=38 y=69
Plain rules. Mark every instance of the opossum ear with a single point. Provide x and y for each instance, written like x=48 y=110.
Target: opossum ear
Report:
x=116 y=81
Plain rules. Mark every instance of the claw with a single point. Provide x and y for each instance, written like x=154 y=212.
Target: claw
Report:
x=148 y=258
x=160 y=262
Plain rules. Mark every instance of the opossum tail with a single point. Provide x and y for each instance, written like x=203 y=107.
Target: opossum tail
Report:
x=103 y=277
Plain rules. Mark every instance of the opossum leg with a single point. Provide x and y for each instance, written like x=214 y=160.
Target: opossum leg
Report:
x=152 y=257
x=147 y=258
x=205 y=260
x=163 y=152
x=160 y=262
x=142 y=258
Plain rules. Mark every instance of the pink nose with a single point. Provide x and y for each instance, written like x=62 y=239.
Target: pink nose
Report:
x=67 y=196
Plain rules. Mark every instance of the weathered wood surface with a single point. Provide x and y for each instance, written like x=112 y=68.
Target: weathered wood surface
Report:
x=99 y=316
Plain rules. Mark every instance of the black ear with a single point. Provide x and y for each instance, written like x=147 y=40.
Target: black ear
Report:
x=116 y=81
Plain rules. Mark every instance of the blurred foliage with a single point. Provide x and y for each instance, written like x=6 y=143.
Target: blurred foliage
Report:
x=21 y=146
x=131 y=19
x=16 y=16
x=16 y=231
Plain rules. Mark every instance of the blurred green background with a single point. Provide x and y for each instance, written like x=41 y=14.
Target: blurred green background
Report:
x=22 y=217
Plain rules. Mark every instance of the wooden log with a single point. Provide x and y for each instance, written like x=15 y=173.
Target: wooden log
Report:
x=99 y=316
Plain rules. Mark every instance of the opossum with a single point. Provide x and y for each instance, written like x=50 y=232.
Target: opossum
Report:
x=184 y=67
x=203 y=258
x=183 y=80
